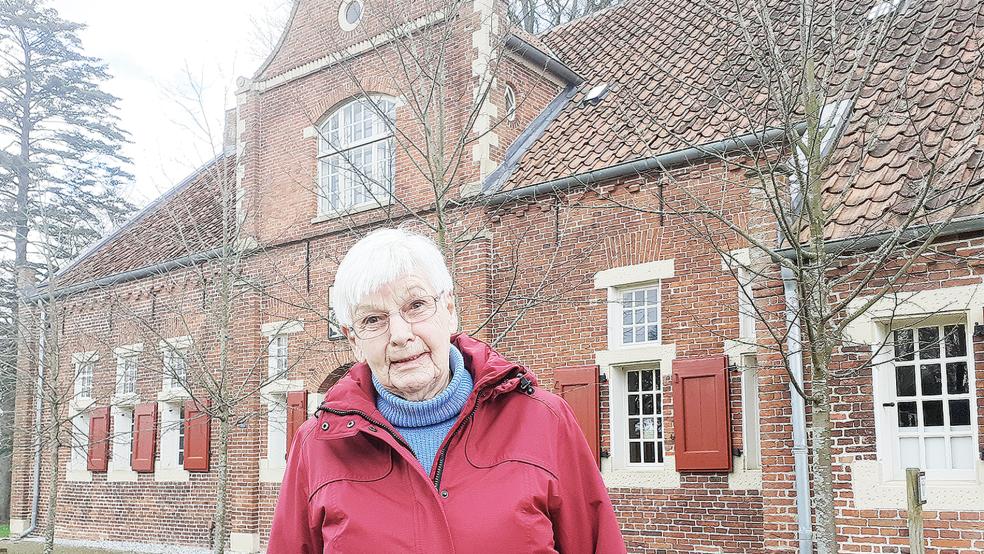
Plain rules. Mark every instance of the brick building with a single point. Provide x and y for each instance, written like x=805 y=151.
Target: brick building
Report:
x=566 y=206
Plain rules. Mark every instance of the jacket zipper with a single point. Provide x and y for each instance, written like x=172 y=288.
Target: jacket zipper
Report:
x=396 y=436
x=447 y=444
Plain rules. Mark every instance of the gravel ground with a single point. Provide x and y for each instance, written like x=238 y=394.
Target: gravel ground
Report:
x=34 y=546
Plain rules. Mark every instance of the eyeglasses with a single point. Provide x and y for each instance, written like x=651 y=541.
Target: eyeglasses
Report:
x=415 y=310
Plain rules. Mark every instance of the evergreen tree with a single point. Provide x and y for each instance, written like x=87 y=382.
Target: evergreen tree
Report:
x=61 y=168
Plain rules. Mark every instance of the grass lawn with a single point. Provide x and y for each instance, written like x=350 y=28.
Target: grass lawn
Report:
x=4 y=529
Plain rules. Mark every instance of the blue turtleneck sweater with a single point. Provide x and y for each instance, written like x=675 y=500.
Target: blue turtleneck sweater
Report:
x=424 y=424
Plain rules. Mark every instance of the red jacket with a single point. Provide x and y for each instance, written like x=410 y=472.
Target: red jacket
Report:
x=514 y=475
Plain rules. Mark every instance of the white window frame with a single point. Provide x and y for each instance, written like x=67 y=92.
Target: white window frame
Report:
x=121 y=445
x=751 y=418
x=274 y=398
x=342 y=152
x=85 y=366
x=272 y=332
x=618 y=383
x=170 y=466
x=618 y=359
x=174 y=349
x=616 y=325
x=124 y=356
x=886 y=400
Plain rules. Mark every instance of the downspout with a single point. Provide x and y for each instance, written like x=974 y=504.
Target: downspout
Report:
x=801 y=468
x=36 y=477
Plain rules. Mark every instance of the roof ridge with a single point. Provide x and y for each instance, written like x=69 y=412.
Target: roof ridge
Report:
x=586 y=17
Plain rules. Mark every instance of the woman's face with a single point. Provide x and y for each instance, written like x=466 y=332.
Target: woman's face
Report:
x=409 y=359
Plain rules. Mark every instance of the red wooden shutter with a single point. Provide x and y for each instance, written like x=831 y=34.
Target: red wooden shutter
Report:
x=144 y=437
x=98 y=457
x=579 y=387
x=198 y=433
x=701 y=414
x=296 y=413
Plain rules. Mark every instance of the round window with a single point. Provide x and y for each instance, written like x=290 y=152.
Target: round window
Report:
x=350 y=14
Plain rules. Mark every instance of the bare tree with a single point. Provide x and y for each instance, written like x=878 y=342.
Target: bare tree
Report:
x=848 y=180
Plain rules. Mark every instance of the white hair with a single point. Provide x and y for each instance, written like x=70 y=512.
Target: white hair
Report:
x=382 y=257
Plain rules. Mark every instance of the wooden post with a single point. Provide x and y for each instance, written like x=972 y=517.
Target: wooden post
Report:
x=915 y=517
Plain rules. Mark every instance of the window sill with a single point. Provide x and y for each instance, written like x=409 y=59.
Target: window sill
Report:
x=665 y=477
x=174 y=395
x=270 y=473
x=872 y=491
x=126 y=400
x=361 y=208
x=125 y=475
x=172 y=474
x=78 y=475
x=624 y=355
x=735 y=349
x=279 y=387
x=80 y=404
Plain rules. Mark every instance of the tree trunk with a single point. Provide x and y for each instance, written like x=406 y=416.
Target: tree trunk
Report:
x=823 y=484
x=218 y=539
x=49 y=528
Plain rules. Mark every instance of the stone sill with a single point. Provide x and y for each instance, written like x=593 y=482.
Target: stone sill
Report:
x=78 y=475
x=123 y=475
x=172 y=474
x=270 y=473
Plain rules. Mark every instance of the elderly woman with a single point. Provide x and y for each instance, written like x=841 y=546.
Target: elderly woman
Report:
x=433 y=442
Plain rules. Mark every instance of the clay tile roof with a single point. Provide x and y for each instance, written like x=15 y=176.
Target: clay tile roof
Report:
x=680 y=76
x=186 y=220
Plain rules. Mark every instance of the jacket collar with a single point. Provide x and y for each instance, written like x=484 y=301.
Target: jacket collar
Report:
x=355 y=391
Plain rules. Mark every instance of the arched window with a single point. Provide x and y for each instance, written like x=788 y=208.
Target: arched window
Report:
x=356 y=156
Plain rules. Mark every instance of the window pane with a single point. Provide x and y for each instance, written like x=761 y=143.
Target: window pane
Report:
x=957 y=379
x=635 y=430
x=659 y=404
x=653 y=333
x=626 y=317
x=932 y=379
x=647 y=380
x=955 y=340
x=909 y=452
x=659 y=428
x=633 y=405
x=639 y=297
x=962 y=452
x=627 y=336
x=627 y=300
x=903 y=345
x=648 y=428
x=907 y=414
x=633 y=381
x=634 y=455
x=652 y=316
x=659 y=452
x=933 y=413
x=650 y=451
x=652 y=296
x=647 y=404
x=640 y=316
x=640 y=334
x=935 y=453
x=959 y=413
x=905 y=380
x=929 y=342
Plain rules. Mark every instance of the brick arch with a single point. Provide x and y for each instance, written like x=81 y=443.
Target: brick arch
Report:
x=330 y=102
x=334 y=376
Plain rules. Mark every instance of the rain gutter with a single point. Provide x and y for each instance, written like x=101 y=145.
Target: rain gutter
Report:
x=140 y=273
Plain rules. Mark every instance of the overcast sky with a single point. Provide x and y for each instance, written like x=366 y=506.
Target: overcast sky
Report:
x=151 y=48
